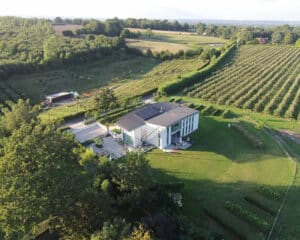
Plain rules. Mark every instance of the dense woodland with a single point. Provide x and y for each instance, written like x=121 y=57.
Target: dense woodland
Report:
x=31 y=44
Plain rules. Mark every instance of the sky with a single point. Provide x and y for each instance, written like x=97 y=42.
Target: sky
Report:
x=282 y=10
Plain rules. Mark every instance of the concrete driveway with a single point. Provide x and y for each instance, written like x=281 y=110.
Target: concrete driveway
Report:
x=84 y=132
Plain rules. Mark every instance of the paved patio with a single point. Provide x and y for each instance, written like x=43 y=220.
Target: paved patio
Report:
x=84 y=132
x=113 y=148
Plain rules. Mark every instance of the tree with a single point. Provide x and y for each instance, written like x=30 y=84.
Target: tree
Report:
x=68 y=33
x=149 y=33
x=289 y=38
x=113 y=27
x=39 y=177
x=277 y=37
x=95 y=27
x=297 y=44
x=17 y=114
x=104 y=101
x=117 y=229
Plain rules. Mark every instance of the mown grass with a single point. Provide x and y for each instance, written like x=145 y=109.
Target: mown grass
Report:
x=183 y=40
x=222 y=166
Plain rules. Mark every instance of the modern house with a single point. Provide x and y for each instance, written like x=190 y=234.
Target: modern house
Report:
x=161 y=124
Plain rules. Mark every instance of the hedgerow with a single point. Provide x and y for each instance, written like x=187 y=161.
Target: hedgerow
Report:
x=178 y=85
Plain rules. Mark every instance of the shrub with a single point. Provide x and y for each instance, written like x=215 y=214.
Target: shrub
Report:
x=252 y=139
x=248 y=216
x=217 y=112
x=260 y=204
x=228 y=114
x=116 y=131
x=269 y=192
x=208 y=110
x=178 y=100
x=98 y=142
x=200 y=108
x=65 y=128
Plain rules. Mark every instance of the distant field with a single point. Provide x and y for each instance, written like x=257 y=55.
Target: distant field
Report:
x=144 y=45
x=173 y=41
x=60 y=28
x=260 y=78
x=81 y=78
x=222 y=166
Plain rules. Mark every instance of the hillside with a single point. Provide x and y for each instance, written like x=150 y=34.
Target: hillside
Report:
x=260 y=78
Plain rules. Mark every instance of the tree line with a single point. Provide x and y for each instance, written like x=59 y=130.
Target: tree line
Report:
x=27 y=45
x=276 y=34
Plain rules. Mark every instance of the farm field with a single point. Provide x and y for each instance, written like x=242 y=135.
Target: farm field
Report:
x=82 y=78
x=172 y=41
x=155 y=46
x=58 y=29
x=221 y=173
x=260 y=78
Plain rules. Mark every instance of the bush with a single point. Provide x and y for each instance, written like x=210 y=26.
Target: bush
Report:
x=248 y=216
x=217 y=112
x=269 y=192
x=254 y=140
x=178 y=100
x=63 y=129
x=208 y=110
x=98 y=142
x=200 y=108
x=228 y=114
x=116 y=131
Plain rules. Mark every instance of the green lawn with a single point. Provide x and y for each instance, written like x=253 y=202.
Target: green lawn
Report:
x=222 y=166
x=82 y=78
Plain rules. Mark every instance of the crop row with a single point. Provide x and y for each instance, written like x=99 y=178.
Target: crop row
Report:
x=261 y=78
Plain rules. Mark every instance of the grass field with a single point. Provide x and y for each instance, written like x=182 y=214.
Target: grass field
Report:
x=155 y=46
x=81 y=78
x=260 y=78
x=129 y=81
x=221 y=166
x=173 y=41
x=60 y=28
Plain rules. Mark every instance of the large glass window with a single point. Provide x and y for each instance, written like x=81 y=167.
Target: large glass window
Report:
x=176 y=127
x=127 y=139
